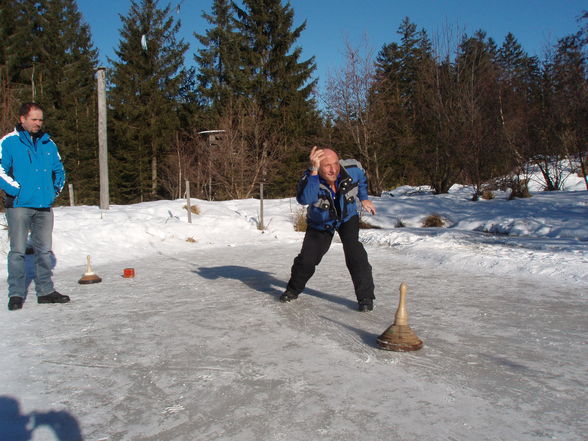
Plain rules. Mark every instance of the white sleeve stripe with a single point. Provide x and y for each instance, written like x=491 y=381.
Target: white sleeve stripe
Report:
x=3 y=175
x=13 y=133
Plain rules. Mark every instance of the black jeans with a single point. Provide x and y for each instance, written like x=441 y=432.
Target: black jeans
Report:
x=316 y=244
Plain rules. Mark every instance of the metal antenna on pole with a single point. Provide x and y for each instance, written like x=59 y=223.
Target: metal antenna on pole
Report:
x=212 y=138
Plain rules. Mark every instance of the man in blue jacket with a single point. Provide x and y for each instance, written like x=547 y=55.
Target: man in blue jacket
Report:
x=31 y=175
x=332 y=188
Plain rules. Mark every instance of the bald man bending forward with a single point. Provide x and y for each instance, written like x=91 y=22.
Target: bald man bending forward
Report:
x=331 y=189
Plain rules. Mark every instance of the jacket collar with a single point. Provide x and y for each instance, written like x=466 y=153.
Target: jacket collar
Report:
x=30 y=139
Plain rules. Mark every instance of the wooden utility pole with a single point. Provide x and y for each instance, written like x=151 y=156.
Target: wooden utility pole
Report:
x=102 y=140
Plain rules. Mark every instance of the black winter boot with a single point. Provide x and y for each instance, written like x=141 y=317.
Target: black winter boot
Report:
x=288 y=296
x=54 y=297
x=366 y=305
x=15 y=303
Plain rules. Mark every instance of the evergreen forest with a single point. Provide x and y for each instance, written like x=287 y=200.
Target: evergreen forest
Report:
x=243 y=107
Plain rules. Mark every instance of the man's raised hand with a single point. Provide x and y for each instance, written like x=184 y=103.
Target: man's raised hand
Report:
x=316 y=156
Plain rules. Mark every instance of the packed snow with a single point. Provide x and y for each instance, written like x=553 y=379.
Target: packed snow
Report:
x=197 y=346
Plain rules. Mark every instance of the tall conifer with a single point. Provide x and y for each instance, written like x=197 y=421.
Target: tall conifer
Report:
x=48 y=57
x=277 y=80
x=69 y=93
x=518 y=94
x=219 y=76
x=22 y=46
x=400 y=68
x=279 y=84
x=147 y=83
x=252 y=78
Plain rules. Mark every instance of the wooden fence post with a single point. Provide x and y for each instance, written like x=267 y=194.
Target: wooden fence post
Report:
x=71 y=194
x=188 y=202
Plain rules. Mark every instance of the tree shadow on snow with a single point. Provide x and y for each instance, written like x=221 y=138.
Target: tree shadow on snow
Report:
x=264 y=281
x=15 y=426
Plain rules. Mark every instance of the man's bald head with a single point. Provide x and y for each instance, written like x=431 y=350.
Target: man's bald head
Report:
x=329 y=153
x=329 y=168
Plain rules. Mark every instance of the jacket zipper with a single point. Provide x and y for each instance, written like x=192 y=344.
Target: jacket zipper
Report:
x=333 y=207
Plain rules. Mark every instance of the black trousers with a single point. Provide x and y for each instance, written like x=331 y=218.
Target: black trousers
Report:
x=316 y=243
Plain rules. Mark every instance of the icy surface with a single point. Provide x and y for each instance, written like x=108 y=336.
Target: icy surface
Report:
x=198 y=347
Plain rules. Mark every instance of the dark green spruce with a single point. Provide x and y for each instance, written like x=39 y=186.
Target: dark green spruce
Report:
x=147 y=88
x=49 y=58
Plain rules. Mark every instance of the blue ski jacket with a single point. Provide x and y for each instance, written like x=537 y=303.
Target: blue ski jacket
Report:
x=31 y=173
x=327 y=210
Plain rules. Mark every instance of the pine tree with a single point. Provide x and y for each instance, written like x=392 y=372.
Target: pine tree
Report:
x=582 y=154
x=513 y=61
x=70 y=94
x=148 y=82
x=219 y=75
x=518 y=93
x=23 y=39
x=401 y=64
x=251 y=70
x=583 y=32
x=7 y=89
x=48 y=58
x=569 y=108
x=480 y=155
x=277 y=81
x=400 y=70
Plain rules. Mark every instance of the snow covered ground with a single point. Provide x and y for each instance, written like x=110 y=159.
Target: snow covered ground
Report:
x=197 y=346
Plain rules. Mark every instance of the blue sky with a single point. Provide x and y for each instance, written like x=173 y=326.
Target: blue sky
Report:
x=535 y=23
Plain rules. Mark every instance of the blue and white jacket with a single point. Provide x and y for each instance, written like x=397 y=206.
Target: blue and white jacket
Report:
x=31 y=173
x=327 y=210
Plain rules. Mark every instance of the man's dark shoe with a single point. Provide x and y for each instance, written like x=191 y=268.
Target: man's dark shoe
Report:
x=15 y=303
x=288 y=296
x=54 y=297
x=366 y=306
